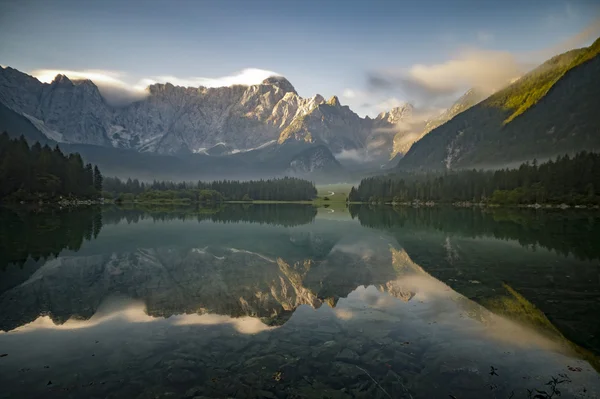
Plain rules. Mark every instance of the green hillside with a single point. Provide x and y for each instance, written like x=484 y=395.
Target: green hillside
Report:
x=532 y=87
x=550 y=111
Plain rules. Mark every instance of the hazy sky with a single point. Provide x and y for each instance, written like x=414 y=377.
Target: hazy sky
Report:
x=372 y=54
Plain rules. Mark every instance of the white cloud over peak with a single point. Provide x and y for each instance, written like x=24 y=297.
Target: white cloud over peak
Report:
x=118 y=91
x=110 y=84
x=387 y=104
x=246 y=77
x=95 y=75
x=370 y=103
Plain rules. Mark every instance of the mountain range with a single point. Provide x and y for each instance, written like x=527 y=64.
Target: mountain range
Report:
x=267 y=129
x=184 y=132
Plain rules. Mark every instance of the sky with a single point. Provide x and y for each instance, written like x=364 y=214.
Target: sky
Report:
x=373 y=54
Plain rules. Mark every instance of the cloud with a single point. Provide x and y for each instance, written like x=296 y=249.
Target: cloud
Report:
x=387 y=104
x=415 y=122
x=484 y=37
x=117 y=91
x=114 y=90
x=485 y=70
x=351 y=155
x=370 y=103
x=246 y=77
x=438 y=84
x=349 y=93
x=411 y=128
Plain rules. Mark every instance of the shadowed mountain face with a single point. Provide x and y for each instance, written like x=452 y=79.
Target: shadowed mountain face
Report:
x=255 y=299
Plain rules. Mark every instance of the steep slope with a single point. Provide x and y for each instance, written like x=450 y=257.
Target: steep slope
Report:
x=415 y=129
x=16 y=125
x=173 y=119
x=399 y=135
x=63 y=110
x=329 y=123
x=314 y=159
x=550 y=111
x=409 y=125
x=466 y=101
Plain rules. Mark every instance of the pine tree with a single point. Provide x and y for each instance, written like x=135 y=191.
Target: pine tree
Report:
x=98 y=180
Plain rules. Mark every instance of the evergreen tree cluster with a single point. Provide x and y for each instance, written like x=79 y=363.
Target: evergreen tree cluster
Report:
x=571 y=180
x=284 y=189
x=39 y=173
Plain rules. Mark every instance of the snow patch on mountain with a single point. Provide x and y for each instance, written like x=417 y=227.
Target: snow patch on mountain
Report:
x=48 y=132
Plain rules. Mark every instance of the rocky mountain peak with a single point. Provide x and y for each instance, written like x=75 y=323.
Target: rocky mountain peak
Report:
x=397 y=114
x=87 y=85
x=334 y=101
x=62 y=79
x=280 y=82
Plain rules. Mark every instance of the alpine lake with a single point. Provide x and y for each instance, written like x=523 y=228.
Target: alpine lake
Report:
x=294 y=301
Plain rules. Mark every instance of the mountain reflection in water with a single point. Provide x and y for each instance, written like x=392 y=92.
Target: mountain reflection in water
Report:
x=174 y=303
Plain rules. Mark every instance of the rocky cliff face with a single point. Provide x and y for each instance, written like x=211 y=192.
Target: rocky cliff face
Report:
x=173 y=119
x=332 y=124
x=410 y=125
x=314 y=159
x=219 y=121
x=63 y=110
x=392 y=130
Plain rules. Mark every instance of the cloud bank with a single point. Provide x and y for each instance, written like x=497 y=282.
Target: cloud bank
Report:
x=110 y=84
x=246 y=77
x=486 y=70
x=436 y=84
x=367 y=103
x=118 y=91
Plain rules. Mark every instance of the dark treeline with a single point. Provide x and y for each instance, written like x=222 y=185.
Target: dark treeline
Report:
x=26 y=234
x=567 y=180
x=40 y=173
x=287 y=215
x=565 y=232
x=284 y=189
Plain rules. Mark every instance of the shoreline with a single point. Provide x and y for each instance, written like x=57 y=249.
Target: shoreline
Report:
x=319 y=202
x=431 y=204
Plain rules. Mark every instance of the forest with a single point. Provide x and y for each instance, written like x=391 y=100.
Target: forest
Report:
x=569 y=180
x=39 y=173
x=284 y=189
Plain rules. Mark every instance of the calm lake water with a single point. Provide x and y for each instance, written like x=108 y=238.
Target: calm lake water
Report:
x=289 y=301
